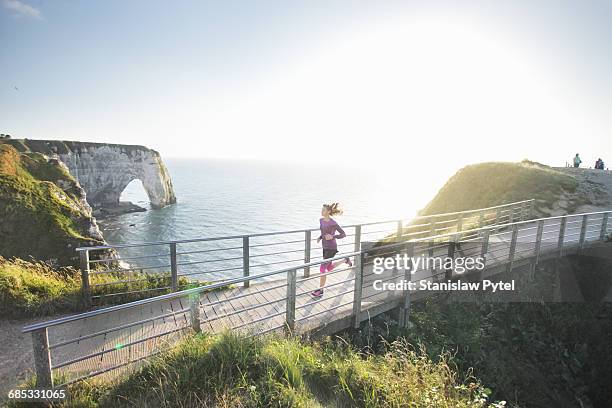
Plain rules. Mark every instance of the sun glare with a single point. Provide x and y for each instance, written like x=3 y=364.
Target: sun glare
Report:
x=396 y=92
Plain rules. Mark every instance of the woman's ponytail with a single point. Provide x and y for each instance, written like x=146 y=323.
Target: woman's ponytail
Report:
x=334 y=209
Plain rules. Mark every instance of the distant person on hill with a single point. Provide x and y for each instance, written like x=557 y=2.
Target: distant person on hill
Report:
x=577 y=160
x=330 y=231
x=599 y=164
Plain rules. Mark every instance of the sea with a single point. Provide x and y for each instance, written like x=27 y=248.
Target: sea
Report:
x=235 y=197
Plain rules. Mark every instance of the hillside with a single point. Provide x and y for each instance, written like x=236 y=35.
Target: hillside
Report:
x=233 y=370
x=556 y=191
x=43 y=211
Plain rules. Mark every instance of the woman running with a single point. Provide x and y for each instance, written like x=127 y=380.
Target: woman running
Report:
x=330 y=231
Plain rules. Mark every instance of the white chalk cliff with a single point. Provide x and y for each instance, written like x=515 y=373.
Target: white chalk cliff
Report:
x=104 y=170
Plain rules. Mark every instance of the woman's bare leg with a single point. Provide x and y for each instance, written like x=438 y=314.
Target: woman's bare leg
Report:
x=322 y=280
x=330 y=268
x=334 y=264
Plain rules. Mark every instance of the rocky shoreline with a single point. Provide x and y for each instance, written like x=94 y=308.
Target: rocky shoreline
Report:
x=123 y=207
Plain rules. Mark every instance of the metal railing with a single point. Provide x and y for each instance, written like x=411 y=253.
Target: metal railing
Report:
x=106 y=340
x=173 y=265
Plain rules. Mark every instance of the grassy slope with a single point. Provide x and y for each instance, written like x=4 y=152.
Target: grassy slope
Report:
x=40 y=210
x=490 y=184
x=34 y=289
x=29 y=289
x=235 y=371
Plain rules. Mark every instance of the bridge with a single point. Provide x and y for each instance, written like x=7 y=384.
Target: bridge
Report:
x=110 y=340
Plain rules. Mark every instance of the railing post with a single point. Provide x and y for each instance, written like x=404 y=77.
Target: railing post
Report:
x=604 y=227
x=404 y=310
x=531 y=208
x=245 y=260
x=561 y=236
x=538 y=242
x=432 y=228
x=583 y=229
x=194 y=312
x=484 y=248
x=307 y=243
x=511 y=215
x=398 y=238
x=357 y=246
x=290 y=309
x=512 y=251
x=84 y=265
x=485 y=243
x=452 y=247
x=42 y=359
x=173 y=267
x=357 y=293
x=497 y=214
x=521 y=211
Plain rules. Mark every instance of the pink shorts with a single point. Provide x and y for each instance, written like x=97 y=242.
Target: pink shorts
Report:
x=327 y=254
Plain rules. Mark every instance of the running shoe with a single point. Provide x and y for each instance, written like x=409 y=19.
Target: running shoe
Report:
x=317 y=293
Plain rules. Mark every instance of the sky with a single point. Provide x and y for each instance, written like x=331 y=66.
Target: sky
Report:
x=376 y=84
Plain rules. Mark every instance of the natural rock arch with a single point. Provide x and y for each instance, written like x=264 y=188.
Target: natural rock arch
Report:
x=104 y=170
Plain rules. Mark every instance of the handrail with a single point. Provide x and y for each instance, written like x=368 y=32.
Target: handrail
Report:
x=263 y=234
x=242 y=279
x=500 y=226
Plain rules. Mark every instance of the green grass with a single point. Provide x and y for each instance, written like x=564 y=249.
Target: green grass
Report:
x=35 y=289
x=41 y=209
x=491 y=184
x=232 y=370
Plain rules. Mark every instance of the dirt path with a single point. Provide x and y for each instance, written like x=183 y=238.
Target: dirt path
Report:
x=595 y=185
x=16 y=351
